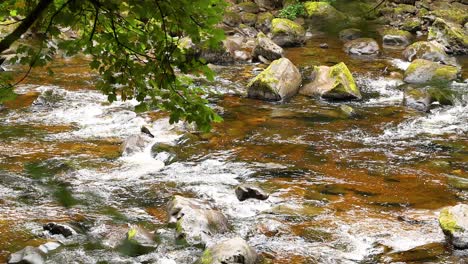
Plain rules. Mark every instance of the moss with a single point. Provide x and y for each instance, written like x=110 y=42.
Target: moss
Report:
x=249 y=18
x=411 y=25
x=322 y=10
x=179 y=229
x=283 y=25
x=456 y=15
x=402 y=9
x=445 y=73
x=398 y=32
x=453 y=34
x=207 y=257
x=264 y=18
x=447 y=222
x=249 y=7
x=344 y=81
x=231 y=18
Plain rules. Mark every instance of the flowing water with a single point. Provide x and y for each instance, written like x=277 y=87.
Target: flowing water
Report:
x=361 y=189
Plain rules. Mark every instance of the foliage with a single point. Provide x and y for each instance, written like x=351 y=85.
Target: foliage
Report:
x=134 y=45
x=292 y=11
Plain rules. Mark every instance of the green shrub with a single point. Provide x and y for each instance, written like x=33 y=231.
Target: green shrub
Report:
x=291 y=12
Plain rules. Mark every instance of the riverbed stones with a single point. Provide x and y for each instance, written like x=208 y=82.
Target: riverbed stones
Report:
x=250 y=191
x=450 y=35
x=336 y=83
x=195 y=221
x=423 y=71
x=280 y=81
x=350 y=34
x=396 y=37
x=232 y=251
x=428 y=50
x=28 y=255
x=362 y=46
x=58 y=229
x=267 y=48
x=454 y=224
x=287 y=33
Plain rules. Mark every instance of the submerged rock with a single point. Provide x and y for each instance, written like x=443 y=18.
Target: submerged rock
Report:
x=454 y=223
x=451 y=36
x=281 y=80
x=195 y=221
x=245 y=191
x=350 y=34
x=28 y=255
x=335 y=82
x=422 y=71
x=232 y=251
x=267 y=48
x=428 y=50
x=362 y=46
x=58 y=229
x=395 y=37
x=287 y=33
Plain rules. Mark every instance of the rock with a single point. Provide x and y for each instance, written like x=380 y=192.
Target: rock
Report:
x=195 y=221
x=245 y=191
x=320 y=13
x=428 y=50
x=350 y=34
x=49 y=98
x=146 y=131
x=267 y=48
x=454 y=223
x=287 y=33
x=249 y=32
x=164 y=152
x=395 y=37
x=269 y=4
x=362 y=46
x=455 y=13
x=263 y=22
x=411 y=25
x=280 y=81
x=232 y=19
x=48 y=247
x=135 y=143
x=57 y=229
x=422 y=253
x=248 y=19
x=324 y=45
x=396 y=75
x=418 y=99
x=422 y=71
x=334 y=82
x=137 y=242
x=347 y=110
x=449 y=35
x=232 y=251
x=248 y=7
x=271 y=227
x=28 y=255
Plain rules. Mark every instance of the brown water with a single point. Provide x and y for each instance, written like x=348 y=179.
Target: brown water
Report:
x=362 y=189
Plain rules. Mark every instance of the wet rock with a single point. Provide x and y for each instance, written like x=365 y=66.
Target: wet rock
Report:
x=49 y=98
x=281 y=80
x=58 y=229
x=195 y=221
x=146 y=131
x=411 y=25
x=263 y=22
x=287 y=33
x=395 y=37
x=28 y=255
x=232 y=251
x=245 y=191
x=137 y=242
x=454 y=223
x=324 y=45
x=421 y=253
x=362 y=46
x=267 y=48
x=418 y=99
x=49 y=246
x=422 y=71
x=271 y=227
x=347 y=110
x=449 y=35
x=350 y=34
x=164 y=152
x=334 y=82
x=135 y=143
x=320 y=13
x=428 y=50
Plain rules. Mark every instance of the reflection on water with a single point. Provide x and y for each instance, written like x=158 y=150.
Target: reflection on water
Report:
x=359 y=189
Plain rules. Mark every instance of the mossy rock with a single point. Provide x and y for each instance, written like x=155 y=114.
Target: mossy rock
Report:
x=428 y=50
x=286 y=32
x=397 y=37
x=424 y=71
x=411 y=25
x=450 y=35
x=234 y=250
x=263 y=22
x=324 y=15
x=249 y=7
x=405 y=9
x=456 y=15
x=249 y=18
x=232 y=18
x=454 y=224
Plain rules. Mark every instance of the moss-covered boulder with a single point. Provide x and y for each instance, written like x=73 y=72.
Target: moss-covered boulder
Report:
x=451 y=36
x=335 y=82
x=455 y=13
x=263 y=22
x=269 y=4
x=396 y=37
x=287 y=33
x=362 y=46
x=402 y=9
x=195 y=221
x=350 y=34
x=248 y=7
x=423 y=71
x=280 y=81
x=418 y=99
x=454 y=223
x=428 y=50
x=248 y=18
x=234 y=250
x=232 y=19
x=412 y=25
x=266 y=48
x=320 y=13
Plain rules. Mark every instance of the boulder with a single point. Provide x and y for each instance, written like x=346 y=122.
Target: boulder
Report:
x=195 y=221
x=248 y=18
x=335 y=82
x=135 y=143
x=246 y=191
x=287 y=33
x=232 y=19
x=28 y=255
x=412 y=25
x=451 y=36
x=58 y=229
x=319 y=13
x=362 y=46
x=418 y=99
x=350 y=34
x=422 y=71
x=248 y=7
x=267 y=48
x=263 y=22
x=49 y=247
x=454 y=223
x=395 y=37
x=232 y=251
x=280 y=81
x=164 y=152
x=269 y=4
x=49 y=99
x=428 y=50
x=137 y=242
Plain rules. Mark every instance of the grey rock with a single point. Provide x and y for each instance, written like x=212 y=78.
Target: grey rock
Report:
x=350 y=34
x=246 y=191
x=28 y=255
x=454 y=223
x=362 y=46
x=232 y=251
x=266 y=48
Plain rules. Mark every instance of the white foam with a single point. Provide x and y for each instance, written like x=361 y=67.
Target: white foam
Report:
x=400 y=64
